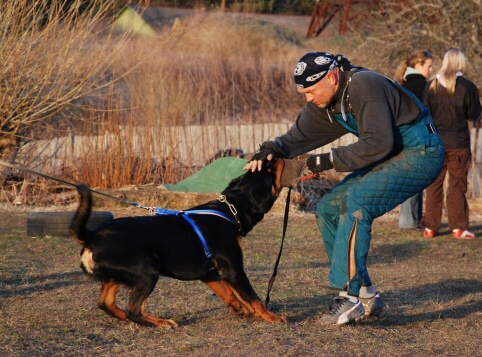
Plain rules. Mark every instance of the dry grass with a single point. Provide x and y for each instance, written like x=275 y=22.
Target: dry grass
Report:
x=219 y=68
x=432 y=290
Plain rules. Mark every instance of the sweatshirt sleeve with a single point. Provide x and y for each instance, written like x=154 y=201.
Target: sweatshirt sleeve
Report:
x=312 y=129
x=472 y=102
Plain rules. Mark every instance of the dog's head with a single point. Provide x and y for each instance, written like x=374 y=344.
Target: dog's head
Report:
x=254 y=193
x=261 y=187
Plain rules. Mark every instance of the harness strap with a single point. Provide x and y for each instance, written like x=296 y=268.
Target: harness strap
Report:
x=185 y=215
x=169 y=212
x=212 y=212
x=199 y=233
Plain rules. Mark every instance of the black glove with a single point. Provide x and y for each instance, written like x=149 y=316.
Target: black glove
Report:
x=319 y=163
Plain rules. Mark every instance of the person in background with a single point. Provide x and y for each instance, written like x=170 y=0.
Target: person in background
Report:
x=412 y=74
x=453 y=100
x=398 y=153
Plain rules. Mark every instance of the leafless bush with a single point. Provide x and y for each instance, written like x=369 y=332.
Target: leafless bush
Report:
x=52 y=56
x=396 y=28
x=117 y=156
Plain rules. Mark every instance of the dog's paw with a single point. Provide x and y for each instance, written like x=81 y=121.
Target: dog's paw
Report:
x=278 y=319
x=270 y=317
x=240 y=309
x=166 y=323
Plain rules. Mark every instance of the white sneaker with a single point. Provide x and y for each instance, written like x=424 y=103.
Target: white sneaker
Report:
x=373 y=306
x=343 y=311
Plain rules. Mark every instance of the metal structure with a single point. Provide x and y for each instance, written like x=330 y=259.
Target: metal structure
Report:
x=348 y=10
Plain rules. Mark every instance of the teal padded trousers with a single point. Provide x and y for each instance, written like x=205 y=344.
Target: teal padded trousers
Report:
x=345 y=214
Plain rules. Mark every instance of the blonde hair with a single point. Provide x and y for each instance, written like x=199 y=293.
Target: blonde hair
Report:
x=419 y=56
x=454 y=62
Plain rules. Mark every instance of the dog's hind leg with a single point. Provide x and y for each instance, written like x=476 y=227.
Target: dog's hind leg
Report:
x=107 y=301
x=156 y=321
x=222 y=289
x=137 y=303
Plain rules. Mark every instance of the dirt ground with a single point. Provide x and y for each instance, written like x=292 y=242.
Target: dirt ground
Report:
x=432 y=291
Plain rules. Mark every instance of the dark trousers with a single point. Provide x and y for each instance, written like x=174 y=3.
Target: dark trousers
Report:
x=456 y=164
x=411 y=211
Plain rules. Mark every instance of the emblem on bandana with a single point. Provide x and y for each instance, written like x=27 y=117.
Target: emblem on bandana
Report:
x=300 y=68
x=314 y=77
x=321 y=60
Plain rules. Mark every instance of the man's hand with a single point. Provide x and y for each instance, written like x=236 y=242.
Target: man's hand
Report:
x=256 y=161
x=319 y=163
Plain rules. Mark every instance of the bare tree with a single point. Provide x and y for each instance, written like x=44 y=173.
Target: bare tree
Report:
x=398 y=27
x=51 y=57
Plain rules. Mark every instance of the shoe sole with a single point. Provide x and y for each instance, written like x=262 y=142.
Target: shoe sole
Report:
x=350 y=323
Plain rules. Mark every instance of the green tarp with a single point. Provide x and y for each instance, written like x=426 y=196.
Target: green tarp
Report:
x=213 y=178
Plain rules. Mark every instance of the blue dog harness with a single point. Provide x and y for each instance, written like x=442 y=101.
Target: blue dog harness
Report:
x=186 y=214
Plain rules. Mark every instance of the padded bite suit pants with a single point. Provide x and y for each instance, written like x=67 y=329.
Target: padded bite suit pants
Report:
x=345 y=214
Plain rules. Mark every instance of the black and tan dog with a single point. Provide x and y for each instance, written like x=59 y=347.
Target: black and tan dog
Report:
x=134 y=251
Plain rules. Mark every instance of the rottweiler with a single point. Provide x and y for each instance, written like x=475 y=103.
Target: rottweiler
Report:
x=201 y=243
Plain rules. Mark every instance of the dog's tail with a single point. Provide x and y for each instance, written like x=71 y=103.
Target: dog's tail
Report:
x=78 y=226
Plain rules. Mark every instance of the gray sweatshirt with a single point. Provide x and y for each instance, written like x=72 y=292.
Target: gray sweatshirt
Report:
x=378 y=106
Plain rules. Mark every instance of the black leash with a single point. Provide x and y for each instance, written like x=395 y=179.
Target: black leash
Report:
x=20 y=168
x=275 y=271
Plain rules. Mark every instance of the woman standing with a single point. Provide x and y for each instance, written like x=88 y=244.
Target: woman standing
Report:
x=412 y=74
x=452 y=100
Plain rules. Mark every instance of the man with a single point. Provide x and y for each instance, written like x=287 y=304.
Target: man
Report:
x=398 y=153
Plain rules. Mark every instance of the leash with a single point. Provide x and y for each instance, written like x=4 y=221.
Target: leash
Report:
x=154 y=210
x=20 y=168
x=275 y=270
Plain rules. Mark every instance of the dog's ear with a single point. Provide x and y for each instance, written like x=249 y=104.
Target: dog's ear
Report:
x=275 y=168
x=266 y=187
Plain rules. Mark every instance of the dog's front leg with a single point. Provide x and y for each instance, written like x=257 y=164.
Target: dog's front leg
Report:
x=241 y=286
x=222 y=289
